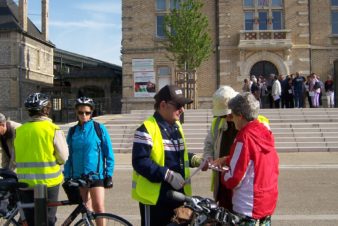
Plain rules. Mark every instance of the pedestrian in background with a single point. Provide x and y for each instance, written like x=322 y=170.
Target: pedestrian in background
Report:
x=246 y=85
x=7 y=134
x=160 y=159
x=329 y=89
x=90 y=156
x=276 y=92
x=299 y=89
x=314 y=90
x=253 y=164
x=40 y=148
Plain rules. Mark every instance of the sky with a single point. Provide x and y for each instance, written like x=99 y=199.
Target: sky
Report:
x=88 y=27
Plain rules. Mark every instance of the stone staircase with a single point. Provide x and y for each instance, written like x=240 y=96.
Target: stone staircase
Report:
x=295 y=130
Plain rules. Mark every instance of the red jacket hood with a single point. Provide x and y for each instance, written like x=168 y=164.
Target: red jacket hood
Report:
x=261 y=135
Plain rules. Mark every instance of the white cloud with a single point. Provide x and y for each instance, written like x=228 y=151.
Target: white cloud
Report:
x=112 y=6
x=89 y=24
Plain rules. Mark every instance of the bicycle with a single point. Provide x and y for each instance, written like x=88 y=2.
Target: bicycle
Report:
x=15 y=215
x=205 y=211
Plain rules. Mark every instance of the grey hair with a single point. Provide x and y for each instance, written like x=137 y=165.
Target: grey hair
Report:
x=3 y=118
x=245 y=104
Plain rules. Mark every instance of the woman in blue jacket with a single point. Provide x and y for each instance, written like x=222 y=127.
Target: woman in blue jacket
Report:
x=90 y=155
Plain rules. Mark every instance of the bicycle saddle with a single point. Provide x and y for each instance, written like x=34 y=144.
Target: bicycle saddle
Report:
x=11 y=184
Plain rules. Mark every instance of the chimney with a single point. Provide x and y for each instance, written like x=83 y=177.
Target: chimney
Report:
x=44 y=18
x=23 y=14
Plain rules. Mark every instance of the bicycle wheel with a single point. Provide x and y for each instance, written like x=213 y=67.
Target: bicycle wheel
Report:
x=10 y=222
x=110 y=220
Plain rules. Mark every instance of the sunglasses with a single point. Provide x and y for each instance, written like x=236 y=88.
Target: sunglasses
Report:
x=176 y=105
x=84 y=112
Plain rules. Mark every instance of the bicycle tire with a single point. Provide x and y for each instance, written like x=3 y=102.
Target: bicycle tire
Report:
x=10 y=223
x=111 y=220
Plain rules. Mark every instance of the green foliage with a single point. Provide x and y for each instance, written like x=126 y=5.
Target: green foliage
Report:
x=186 y=29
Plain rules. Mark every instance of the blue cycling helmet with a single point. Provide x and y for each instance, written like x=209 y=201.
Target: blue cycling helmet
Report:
x=85 y=101
x=36 y=101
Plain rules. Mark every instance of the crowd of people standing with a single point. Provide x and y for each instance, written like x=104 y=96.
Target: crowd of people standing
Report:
x=291 y=91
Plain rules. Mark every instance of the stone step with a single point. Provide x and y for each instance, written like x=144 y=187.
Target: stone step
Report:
x=279 y=149
x=293 y=129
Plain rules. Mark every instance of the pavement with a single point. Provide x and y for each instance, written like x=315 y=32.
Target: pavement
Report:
x=308 y=187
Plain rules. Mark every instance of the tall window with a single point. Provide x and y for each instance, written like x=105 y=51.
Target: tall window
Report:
x=163 y=7
x=334 y=16
x=164 y=76
x=263 y=20
x=277 y=19
x=263 y=14
x=249 y=20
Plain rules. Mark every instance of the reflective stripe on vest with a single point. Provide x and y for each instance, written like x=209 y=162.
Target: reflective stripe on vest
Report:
x=34 y=164
x=143 y=190
x=39 y=176
x=34 y=154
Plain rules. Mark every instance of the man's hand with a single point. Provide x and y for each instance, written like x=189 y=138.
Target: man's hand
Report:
x=174 y=179
x=206 y=164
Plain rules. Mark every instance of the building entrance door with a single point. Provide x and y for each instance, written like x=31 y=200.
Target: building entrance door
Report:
x=264 y=69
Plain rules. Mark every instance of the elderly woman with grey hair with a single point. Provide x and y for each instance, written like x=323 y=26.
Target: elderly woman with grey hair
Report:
x=253 y=164
x=7 y=134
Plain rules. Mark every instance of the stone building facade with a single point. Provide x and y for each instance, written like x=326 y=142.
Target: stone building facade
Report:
x=250 y=37
x=26 y=56
x=77 y=75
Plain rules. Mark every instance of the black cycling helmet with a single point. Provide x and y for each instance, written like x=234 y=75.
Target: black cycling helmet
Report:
x=36 y=101
x=85 y=101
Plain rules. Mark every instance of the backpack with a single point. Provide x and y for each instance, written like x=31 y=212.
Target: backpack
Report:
x=96 y=127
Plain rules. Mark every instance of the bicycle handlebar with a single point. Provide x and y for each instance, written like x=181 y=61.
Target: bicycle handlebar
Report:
x=204 y=208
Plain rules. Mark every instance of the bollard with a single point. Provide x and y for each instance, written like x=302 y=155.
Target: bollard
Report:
x=40 y=205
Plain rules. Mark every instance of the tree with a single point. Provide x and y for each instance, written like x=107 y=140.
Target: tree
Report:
x=187 y=34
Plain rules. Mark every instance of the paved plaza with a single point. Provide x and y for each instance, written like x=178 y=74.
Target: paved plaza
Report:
x=308 y=190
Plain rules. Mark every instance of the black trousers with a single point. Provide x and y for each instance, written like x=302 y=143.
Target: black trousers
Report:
x=158 y=215
x=28 y=197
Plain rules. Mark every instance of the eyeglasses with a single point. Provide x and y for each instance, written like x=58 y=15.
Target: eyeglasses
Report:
x=84 y=112
x=176 y=105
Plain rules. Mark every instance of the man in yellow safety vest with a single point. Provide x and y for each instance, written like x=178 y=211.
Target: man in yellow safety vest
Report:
x=40 y=149
x=160 y=159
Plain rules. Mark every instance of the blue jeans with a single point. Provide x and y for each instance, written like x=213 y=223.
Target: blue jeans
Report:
x=298 y=99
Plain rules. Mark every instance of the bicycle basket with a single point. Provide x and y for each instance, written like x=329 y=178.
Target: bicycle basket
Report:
x=73 y=192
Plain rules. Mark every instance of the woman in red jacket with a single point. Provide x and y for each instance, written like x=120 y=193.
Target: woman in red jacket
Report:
x=253 y=163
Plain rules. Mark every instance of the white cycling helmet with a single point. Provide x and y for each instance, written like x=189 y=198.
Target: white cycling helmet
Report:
x=36 y=101
x=220 y=100
x=85 y=101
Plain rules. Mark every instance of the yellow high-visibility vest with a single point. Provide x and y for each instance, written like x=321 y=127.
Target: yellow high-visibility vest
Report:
x=34 y=154
x=145 y=191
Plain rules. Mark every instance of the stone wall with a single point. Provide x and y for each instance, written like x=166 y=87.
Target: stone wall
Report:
x=26 y=65
x=309 y=23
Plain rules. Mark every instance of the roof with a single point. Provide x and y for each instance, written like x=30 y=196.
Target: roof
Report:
x=77 y=58
x=9 y=21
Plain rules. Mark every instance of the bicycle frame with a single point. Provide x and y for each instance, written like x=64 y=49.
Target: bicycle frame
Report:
x=81 y=208
x=18 y=209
